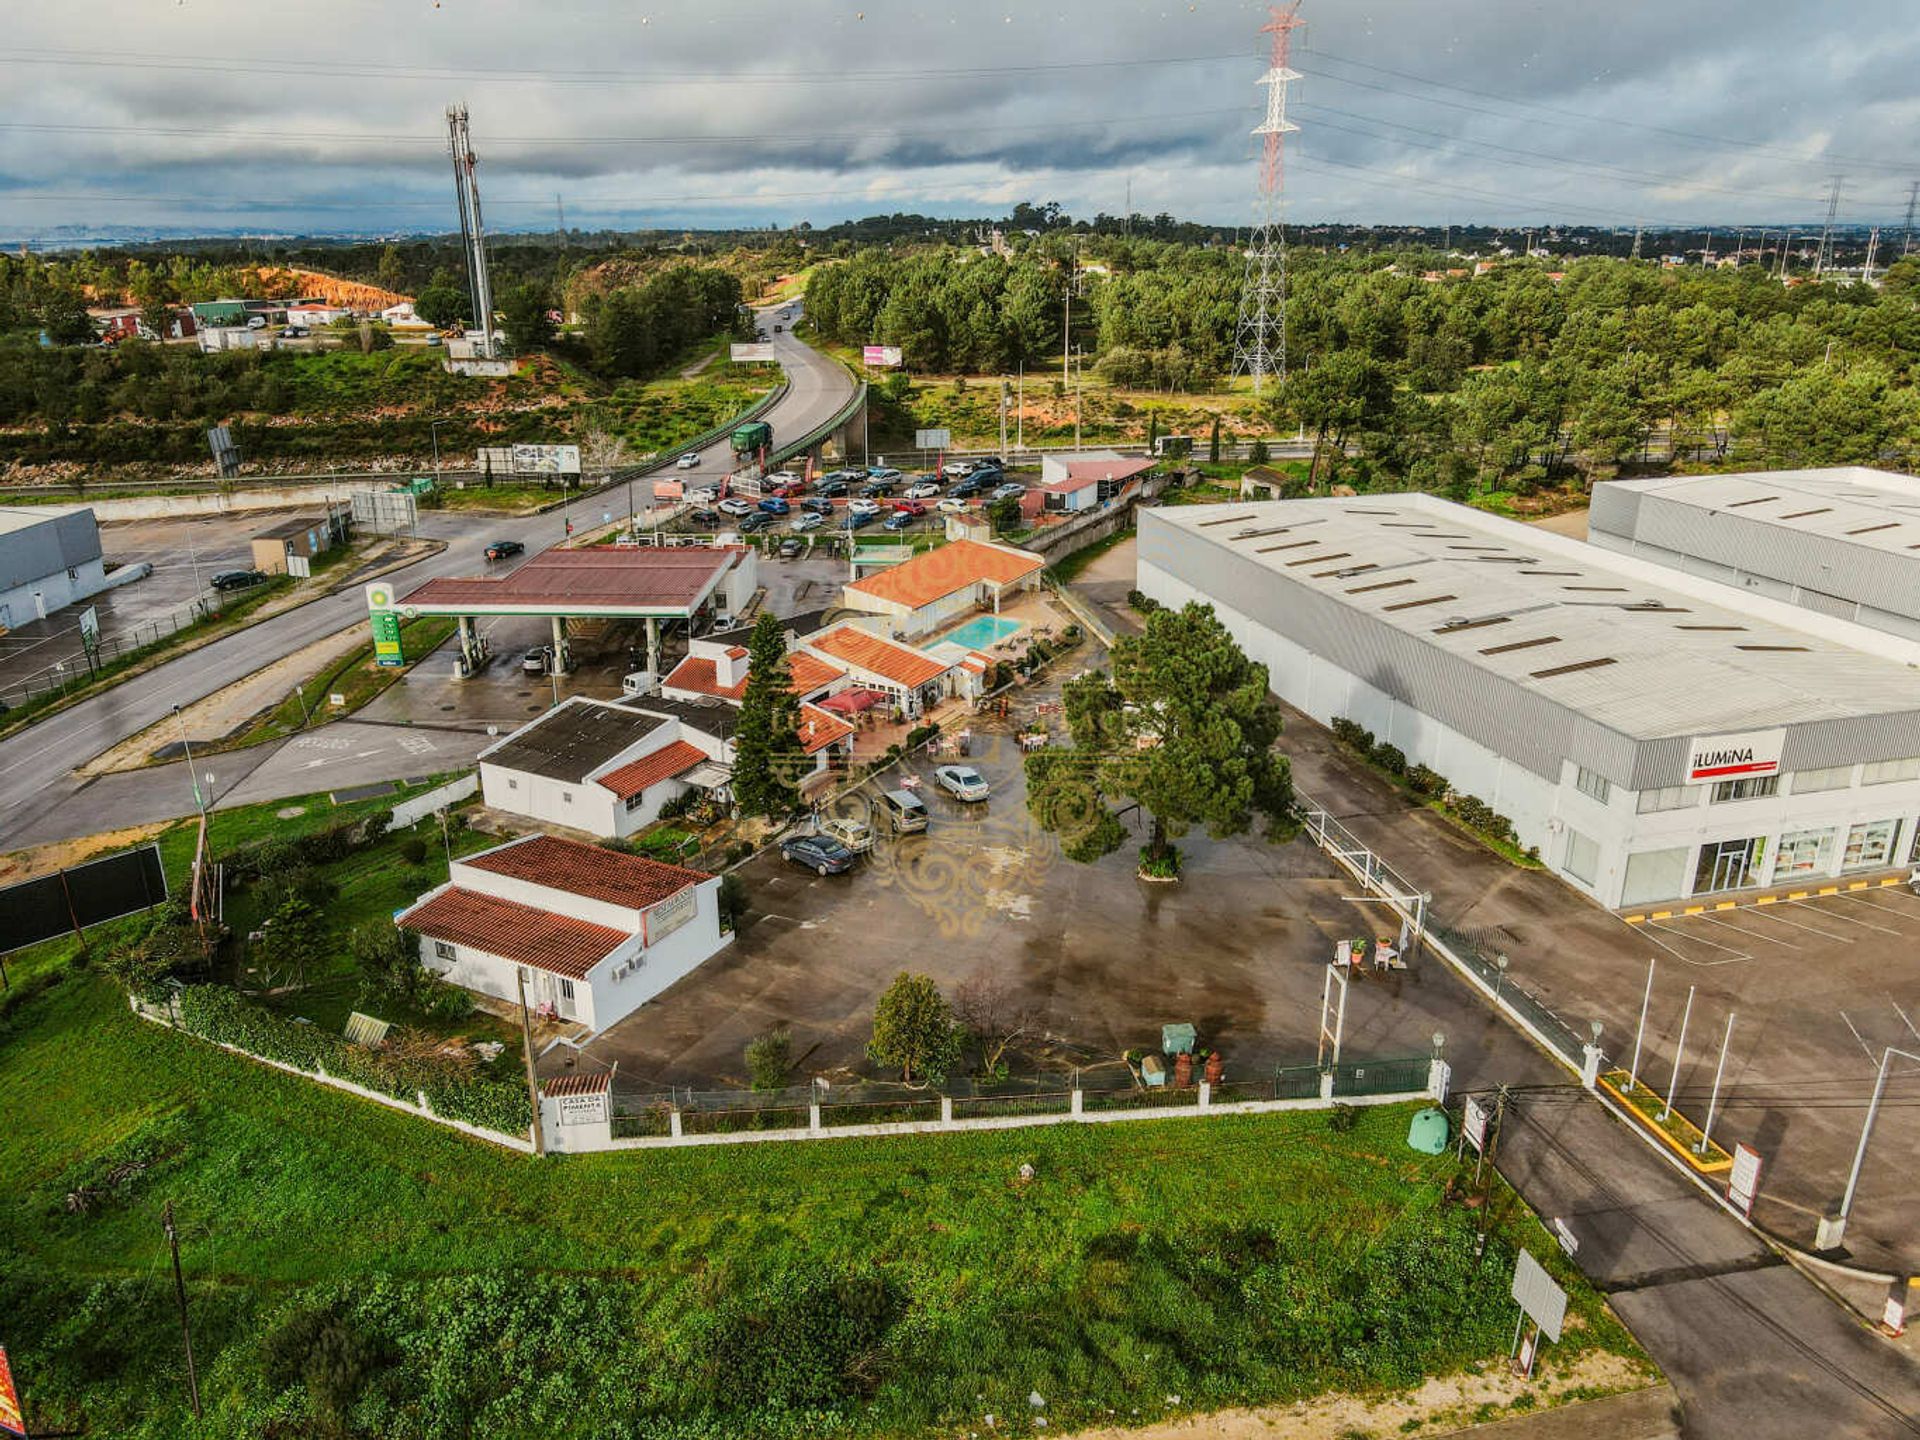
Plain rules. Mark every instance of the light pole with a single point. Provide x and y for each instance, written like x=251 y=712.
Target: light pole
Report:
x=192 y=778
x=1831 y=1231
x=433 y=429
x=1501 y=979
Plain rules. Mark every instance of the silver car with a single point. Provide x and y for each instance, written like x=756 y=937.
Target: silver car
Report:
x=963 y=782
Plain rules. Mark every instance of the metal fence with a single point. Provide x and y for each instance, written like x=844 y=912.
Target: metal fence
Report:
x=74 y=668
x=1479 y=951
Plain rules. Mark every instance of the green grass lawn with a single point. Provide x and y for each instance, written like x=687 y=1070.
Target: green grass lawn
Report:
x=401 y=1281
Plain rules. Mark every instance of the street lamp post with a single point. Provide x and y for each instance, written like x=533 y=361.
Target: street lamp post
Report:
x=433 y=429
x=1832 y=1229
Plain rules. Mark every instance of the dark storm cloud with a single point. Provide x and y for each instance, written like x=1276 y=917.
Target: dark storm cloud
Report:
x=328 y=113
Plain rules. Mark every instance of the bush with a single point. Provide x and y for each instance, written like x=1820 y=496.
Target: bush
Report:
x=1341 y=1118
x=732 y=901
x=1259 y=454
x=1143 y=602
x=413 y=850
x=1427 y=784
x=920 y=734
x=770 y=1059
x=681 y=804
x=804 y=1340
x=1352 y=734
x=1389 y=758
x=1162 y=867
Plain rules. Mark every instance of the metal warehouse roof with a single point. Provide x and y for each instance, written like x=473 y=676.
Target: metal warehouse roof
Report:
x=601 y=579
x=572 y=741
x=1872 y=509
x=1641 y=650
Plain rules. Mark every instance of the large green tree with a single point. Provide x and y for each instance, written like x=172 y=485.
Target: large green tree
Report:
x=523 y=314
x=1183 y=726
x=766 y=744
x=913 y=1028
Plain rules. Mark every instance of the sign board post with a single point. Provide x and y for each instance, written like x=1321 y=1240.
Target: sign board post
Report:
x=1473 y=1126
x=880 y=357
x=386 y=626
x=1542 y=1301
x=750 y=354
x=300 y=567
x=546 y=459
x=90 y=634
x=933 y=439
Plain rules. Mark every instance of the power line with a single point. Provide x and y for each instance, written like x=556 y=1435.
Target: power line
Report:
x=1584 y=117
x=626 y=79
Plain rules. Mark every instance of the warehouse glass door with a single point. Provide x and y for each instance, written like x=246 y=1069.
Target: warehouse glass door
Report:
x=1728 y=865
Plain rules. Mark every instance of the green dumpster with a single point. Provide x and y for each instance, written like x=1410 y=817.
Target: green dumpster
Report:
x=1177 y=1039
x=1429 y=1131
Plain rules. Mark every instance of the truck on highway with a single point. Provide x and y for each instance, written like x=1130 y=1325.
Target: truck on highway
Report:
x=752 y=437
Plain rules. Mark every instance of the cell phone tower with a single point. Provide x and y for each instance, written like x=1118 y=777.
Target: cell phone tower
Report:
x=1260 y=334
x=473 y=235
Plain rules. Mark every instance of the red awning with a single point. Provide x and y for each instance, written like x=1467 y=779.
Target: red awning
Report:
x=853 y=702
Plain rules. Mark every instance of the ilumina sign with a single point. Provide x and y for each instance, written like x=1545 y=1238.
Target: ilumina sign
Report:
x=1748 y=756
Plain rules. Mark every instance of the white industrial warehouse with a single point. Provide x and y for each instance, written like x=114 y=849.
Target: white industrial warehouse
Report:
x=1654 y=734
x=1843 y=541
x=49 y=559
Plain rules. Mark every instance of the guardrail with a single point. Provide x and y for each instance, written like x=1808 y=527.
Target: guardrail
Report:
x=820 y=432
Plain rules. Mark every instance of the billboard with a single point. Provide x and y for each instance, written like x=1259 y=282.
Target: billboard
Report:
x=1474 y=1126
x=750 y=354
x=1745 y=755
x=386 y=626
x=881 y=357
x=933 y=439
x=1744 y=1183
x=546 y=459
x=668 y=489
x=1535 y=1292
x=12 y=1422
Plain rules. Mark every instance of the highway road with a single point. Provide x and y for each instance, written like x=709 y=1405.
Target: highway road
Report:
x=36 y=766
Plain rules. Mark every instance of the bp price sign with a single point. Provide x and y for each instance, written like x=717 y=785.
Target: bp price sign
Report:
x=386 y=626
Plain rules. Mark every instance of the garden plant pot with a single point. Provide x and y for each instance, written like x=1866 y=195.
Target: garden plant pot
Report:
x=1215 y=1067
x=1182 y=1070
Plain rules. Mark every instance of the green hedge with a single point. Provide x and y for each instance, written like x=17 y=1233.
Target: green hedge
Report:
x=216 y=1013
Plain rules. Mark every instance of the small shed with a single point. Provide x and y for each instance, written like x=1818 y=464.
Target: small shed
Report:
x=304 y=535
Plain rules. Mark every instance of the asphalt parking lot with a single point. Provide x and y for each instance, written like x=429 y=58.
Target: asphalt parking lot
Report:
x=1816 y=988
x=1238 y=948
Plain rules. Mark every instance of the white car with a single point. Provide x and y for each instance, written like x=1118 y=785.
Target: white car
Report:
x=705 y=495
x=779 y=477
x=925 y=490
x=963 y=782
x=734 y=505
x=1012 y=490
x=882 y=472
x=688 y=461
x=808 y=520
x=863 y=507
x=957 y=469
x=952 y=506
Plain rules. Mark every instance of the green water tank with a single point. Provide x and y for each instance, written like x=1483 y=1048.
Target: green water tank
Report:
x=1429 y=1131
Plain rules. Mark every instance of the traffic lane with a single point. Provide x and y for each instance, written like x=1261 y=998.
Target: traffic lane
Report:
x=1753 y=1350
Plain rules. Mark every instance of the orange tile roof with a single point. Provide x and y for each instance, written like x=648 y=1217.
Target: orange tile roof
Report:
x=524 y=934
x=650 y=769
x=587 y=870
x=819 y=729
x=577 y=1084
x=810 y=672
x=864 y=650
x=700 y=676
x=955 y=566
x=736 y=652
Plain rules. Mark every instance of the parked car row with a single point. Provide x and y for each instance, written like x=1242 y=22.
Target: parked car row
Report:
x=839 y=839
x=864 y=490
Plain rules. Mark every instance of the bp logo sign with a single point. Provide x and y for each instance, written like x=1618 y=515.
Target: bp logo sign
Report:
x=379 y=597
x=386 y=626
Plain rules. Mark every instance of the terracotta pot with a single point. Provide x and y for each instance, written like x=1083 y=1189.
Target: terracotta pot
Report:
x=1214 y=1069
x=1182 y=1070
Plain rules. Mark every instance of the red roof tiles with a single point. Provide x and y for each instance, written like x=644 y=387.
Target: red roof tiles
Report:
x=702 y=678
x=588 y=870
x=577 y=1084
x=938 y=573
x=523 y=934
x=810 y=672
x=650 y=769
x=819 y=729
x=864 y=650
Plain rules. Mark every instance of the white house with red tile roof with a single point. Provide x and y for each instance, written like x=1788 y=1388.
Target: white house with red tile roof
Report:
x=943 y=585
x=913 y=678
x=1080 y=482
x=608 y=768
x=595 y=933
x=716 y=668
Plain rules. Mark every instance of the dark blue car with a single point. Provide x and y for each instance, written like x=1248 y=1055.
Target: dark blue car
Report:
x=818 y=853
x=854 y=521
x=774 y=505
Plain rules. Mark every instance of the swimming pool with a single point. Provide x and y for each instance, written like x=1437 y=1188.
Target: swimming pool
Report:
x=982 y=631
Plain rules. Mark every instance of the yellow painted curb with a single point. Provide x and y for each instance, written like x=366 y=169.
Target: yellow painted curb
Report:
x=1693 y=910
x=1662 y=915
x=1728 y=905
x=1635 y=919
x=1714 y=1166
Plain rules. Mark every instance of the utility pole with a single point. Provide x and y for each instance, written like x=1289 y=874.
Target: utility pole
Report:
x=1076 y=401
x=1260 y=332
x=1003 y=417
x=526 y=1046
x=180 y=1294
x=1066 y=314
x=1786 y=252
x=473 y=238
x=1483 y=1165
x=1824 y=256
x=1636 y=241
x=1873 y=249
x=1913 y=199
x=1020 y=408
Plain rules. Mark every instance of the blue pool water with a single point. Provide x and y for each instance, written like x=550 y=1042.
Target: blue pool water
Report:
x=982 y=631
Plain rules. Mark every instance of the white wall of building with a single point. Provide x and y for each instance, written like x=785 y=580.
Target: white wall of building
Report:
x=1589 y=843
x=36 y=599
x=580 y=804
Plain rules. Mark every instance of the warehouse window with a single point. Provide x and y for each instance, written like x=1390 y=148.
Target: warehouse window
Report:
x=566 y=989
x=1591 y=783
x=1758 y=788
x=513 y=784
x=636 y=800
x=1669 y=797
x=1884 y=772
x=1870 y=845
x=1582 y=860
x=1804 y=852
x=1834 y=777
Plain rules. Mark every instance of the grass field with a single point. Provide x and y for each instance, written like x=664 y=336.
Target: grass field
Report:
x=393 y=1279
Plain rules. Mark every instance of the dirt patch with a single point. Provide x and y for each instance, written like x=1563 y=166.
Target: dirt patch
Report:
x=1453 y=1400
x=1568 y=522
x=65 y=854
x=225 y=711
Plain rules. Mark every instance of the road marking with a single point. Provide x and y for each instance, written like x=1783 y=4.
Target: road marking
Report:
x=1756 y=934
x=1871 y=1060
x=1780 y=919
x=1846 y=919
x=1737 y=955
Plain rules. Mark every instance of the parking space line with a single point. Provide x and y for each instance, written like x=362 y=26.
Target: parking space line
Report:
x=1737 y=955
x=1753 y=934
x=1846 y=919
x=1901 y=1013
x=1871 y=1060
x=1779 y=919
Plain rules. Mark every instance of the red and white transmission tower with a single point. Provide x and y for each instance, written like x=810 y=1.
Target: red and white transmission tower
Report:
x=1260 y=336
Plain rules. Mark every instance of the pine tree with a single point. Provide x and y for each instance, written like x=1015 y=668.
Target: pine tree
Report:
x=766 y=744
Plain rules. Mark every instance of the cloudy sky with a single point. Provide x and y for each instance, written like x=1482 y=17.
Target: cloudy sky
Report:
x=328 y=115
